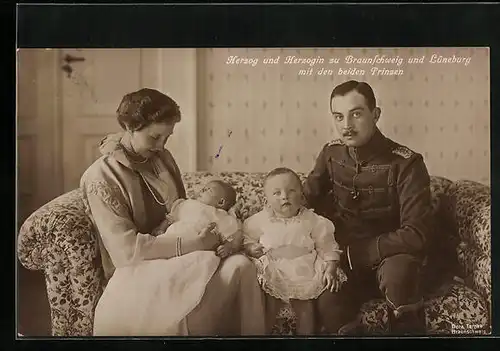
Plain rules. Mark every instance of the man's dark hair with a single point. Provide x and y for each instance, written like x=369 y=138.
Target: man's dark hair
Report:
x=282 y=170
x=361 y=87
x=146 y=106
x=229 y=190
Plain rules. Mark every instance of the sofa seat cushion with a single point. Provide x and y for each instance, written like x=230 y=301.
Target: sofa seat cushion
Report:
x=449 y=310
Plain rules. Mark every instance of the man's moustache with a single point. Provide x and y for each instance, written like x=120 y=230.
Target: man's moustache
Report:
x=349 y=133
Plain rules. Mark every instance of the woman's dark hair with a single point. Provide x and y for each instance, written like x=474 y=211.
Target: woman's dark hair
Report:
x=146 y=106
x=282 y=170
x=361 y=87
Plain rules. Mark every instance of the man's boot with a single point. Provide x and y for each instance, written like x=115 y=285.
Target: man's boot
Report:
x=410 y=321
x=353 y=328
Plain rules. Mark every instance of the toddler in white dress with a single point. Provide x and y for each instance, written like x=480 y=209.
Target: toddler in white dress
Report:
x=294 y=249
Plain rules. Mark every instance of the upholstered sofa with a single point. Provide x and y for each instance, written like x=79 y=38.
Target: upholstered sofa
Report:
x=59 y=240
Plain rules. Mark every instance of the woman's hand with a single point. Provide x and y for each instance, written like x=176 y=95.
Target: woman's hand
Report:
x=162 y=227
x=330 y=277
x=209 y=237
x=254 y=250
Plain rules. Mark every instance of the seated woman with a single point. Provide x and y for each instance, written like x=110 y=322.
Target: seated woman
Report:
x=128 y=191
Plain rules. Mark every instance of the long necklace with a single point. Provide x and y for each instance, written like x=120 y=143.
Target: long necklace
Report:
x=143 y=178
x=151 y=190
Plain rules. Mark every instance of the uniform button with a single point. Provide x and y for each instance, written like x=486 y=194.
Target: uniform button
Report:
x=370 y=189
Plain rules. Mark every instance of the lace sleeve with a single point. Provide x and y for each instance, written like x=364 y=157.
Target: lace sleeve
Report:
x=251 y=229
x=323 y=235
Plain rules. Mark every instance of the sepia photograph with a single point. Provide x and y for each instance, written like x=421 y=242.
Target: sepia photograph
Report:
x=270 y=192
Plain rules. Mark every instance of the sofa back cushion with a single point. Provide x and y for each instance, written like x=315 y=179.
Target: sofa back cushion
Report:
x=249 y=186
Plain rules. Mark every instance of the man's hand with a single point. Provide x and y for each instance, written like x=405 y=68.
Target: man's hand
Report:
x=330 y=277
x=225 y=249
x=254 y=250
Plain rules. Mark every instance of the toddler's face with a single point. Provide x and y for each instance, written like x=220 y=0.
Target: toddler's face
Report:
x=212 y=194
x=284 y=194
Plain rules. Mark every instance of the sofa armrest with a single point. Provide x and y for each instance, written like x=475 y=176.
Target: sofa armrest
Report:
x=59 y=239
x=61 y=223
x=470 y=207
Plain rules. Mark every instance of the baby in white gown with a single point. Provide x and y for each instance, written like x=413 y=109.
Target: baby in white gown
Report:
x=177 y=284
x=294 y=249
x=190 y=216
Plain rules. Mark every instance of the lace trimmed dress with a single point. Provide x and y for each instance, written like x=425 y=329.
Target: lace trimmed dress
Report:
x=295 y=253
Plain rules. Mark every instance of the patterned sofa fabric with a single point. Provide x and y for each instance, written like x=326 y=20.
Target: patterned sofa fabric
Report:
x=470 y=208
x=61 y=222
x=249 y=187
x=60 y=240
x=442 y=311
x=452 y=309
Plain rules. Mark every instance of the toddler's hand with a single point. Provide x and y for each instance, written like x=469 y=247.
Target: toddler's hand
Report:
x=255 y=250
x=224 y=250
x=330 y=277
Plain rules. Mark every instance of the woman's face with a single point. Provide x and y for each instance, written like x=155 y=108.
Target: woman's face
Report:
x=284 y=194
x=151 y=139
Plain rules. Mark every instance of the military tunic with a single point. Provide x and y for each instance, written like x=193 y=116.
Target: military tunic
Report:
x=378 y=197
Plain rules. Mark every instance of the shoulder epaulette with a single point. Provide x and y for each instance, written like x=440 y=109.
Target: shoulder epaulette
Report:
x=403 y=151
x=335 y=142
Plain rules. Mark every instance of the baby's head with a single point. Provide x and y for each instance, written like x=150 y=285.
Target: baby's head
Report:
x=283 y=190
x=218 y=194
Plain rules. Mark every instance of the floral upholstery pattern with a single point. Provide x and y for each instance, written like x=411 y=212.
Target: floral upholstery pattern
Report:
x=470 y=210
x=447 y=311
x=248 y=186
x=60 y=240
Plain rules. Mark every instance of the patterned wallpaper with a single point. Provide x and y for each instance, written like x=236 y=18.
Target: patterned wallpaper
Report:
x=260 y=116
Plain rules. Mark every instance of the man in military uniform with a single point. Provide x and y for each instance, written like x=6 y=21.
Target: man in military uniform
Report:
x=377 y=193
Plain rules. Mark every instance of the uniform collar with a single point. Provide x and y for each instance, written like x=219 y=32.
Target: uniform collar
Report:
x=375 y=146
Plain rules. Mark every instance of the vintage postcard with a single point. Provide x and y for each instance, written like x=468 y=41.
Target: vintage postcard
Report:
x=254 y=191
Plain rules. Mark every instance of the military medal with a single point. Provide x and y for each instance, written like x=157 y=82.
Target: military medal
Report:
x=355 y=194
